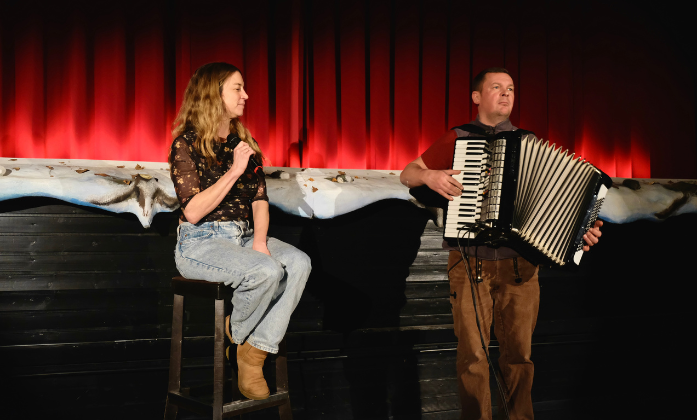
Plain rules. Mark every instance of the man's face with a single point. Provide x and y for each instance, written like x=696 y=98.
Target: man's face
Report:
x=495 y=100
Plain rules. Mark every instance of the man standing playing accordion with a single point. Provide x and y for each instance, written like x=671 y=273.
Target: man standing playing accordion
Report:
x=507 y=288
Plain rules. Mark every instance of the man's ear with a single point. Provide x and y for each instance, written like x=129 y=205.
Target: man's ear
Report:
x=476 y=97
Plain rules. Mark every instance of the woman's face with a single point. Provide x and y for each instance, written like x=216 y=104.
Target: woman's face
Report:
x=234 y=95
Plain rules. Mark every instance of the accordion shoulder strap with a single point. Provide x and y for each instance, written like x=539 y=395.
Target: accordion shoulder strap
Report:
x=524 y=132
x=471 y=128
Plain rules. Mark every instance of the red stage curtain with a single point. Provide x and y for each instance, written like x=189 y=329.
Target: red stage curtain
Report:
x=350 y=84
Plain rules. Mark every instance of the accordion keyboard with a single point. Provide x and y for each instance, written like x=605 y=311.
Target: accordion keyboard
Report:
x=472 y=158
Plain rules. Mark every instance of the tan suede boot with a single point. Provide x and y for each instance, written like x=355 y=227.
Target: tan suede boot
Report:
x=251 y=382
x=228 y=328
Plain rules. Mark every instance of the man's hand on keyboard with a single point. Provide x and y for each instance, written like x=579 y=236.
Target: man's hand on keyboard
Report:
x=442 y=182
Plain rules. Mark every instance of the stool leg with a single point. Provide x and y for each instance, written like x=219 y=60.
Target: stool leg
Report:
x=282 y=380
x=175 y=356
x=219 y=362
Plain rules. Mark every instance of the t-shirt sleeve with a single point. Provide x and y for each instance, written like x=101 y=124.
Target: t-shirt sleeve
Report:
x=183 y=172
x=441 y=153
x=261 y=194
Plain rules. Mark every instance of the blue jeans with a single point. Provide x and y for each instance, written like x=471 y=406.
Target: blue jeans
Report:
x=266 y=289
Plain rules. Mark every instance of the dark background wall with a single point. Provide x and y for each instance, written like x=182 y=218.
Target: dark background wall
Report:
x=85 y=315
x=352 y=84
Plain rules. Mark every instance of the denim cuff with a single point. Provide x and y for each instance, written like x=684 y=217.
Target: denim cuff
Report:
x=253 y=342
x=263 y=347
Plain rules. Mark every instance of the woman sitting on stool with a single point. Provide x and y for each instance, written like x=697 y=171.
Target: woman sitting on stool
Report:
x=222 y=235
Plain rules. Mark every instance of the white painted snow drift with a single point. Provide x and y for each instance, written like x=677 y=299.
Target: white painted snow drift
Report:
x=145 y=189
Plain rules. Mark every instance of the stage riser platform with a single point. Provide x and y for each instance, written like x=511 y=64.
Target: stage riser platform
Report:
x=86 y=307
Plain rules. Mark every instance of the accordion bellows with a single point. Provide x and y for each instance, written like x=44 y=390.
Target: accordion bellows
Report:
x=526 y=194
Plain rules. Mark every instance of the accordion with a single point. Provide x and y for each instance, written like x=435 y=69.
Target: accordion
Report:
x=526 y=194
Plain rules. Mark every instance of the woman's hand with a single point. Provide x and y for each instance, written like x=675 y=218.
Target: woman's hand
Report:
x=261 y=247
x=241 y=155
x=205 y=201
x=591 y=237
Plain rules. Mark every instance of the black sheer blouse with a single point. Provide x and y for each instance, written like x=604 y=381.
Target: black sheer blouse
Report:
x=190 y=175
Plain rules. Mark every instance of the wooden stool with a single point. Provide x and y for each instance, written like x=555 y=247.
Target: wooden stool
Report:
x=178 y=397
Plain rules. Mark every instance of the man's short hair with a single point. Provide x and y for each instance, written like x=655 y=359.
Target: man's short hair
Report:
x=478 y=82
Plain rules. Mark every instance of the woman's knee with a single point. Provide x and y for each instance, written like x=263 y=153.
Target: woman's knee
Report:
x=288 y=254
x=299 y=267
x=303 y=261
x=272 y=270
x=267 y=272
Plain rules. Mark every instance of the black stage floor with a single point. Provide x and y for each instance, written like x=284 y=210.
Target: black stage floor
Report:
x=85 y=313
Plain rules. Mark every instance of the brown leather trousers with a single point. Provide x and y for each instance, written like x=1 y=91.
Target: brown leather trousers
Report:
x=512 y=303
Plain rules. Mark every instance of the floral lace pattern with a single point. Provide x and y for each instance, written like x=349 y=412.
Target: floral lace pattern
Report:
x=190 y=175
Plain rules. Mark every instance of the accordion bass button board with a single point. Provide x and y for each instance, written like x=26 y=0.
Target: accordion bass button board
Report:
x=526 y=194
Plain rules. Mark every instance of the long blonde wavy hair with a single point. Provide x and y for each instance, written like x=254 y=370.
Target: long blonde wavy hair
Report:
x=203 y=109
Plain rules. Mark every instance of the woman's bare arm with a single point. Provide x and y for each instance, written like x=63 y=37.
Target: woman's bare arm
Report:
x=261 y=219
x=206 y=201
